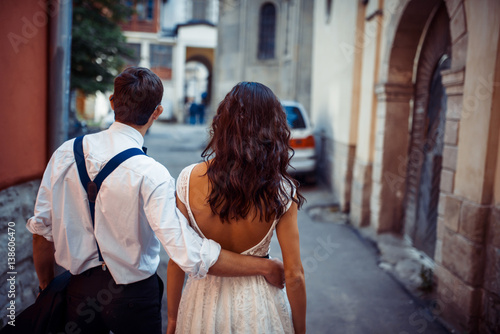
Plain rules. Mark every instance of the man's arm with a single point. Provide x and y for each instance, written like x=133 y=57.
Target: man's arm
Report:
x=43 y=258
x=196 y=255
x=233 y=264
x=40 y=225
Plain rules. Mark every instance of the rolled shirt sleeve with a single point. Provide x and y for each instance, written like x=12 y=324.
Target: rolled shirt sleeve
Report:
x=41 y=222
x=192 y=253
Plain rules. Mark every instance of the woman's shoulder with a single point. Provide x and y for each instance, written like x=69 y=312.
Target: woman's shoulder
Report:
x=187 y=170
x=196 y=169
x=290 y=191
x=193 y=169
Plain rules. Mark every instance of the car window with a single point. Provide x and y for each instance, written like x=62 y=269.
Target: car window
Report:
x=294 y=117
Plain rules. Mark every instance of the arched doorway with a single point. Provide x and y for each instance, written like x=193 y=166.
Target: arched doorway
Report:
x=396 y=96
x=426 y=143
x=203 y=67
x=196 y=81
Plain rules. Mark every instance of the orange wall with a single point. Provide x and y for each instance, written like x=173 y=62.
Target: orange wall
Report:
x=23 y=91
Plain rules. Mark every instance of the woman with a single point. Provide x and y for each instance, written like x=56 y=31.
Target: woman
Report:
x=238 y=196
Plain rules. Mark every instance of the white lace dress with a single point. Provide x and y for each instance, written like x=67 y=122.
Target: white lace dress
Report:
x=231 y=304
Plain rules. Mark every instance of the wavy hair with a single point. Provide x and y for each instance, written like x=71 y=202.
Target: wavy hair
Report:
x=250 y=147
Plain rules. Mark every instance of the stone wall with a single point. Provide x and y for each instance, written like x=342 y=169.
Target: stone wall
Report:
x=490 y=315
x=16 y=205
x=468 y=270
x=360 y=194
x=287 y=74
x=335 y=170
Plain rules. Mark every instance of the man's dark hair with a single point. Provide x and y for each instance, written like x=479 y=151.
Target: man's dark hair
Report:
x=138 y=91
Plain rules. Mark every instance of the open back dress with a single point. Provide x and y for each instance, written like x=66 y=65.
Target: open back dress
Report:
x=231 y=304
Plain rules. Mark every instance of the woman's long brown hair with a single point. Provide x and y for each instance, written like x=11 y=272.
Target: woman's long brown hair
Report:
x=250 y=147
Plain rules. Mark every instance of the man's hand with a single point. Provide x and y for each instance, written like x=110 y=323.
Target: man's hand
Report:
x=43 y=258
x=276 y=273
x=231 y=264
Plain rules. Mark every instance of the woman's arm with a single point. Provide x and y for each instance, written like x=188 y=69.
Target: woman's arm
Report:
x=175 y=281
x=288 y=236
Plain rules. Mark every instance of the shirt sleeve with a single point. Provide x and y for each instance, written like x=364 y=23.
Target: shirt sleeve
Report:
x=41 y=222
x=192 y=253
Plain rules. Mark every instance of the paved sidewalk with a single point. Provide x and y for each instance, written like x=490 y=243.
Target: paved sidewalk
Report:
x=347 y=291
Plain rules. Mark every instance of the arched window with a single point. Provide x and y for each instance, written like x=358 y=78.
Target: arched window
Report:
x=267 y=31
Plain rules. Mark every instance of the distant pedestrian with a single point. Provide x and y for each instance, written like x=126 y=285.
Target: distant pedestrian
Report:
x=193 y=112
x=201 y=113
x=197 y=111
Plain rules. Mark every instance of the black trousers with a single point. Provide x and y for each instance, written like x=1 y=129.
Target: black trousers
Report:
x=96 y=304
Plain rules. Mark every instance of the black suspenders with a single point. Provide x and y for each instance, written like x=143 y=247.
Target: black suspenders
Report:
x=92 y=187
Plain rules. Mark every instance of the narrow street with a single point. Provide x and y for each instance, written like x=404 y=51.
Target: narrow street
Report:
x=347 y=291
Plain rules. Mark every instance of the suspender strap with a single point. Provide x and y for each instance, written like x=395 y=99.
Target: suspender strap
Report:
x=92 y=187
x=80 y=161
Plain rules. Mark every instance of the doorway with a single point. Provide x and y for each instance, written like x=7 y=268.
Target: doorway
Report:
x=427 y=135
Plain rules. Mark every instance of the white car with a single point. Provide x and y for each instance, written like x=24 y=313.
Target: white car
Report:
x=302 y=140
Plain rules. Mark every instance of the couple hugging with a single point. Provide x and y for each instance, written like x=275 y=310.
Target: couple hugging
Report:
x=216 y=223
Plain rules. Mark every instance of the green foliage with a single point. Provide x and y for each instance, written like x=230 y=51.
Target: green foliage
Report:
x=98 y=45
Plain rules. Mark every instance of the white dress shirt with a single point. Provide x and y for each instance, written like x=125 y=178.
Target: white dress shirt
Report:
x=135 y=211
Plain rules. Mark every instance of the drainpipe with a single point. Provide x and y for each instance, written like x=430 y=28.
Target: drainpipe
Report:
x=59 y=71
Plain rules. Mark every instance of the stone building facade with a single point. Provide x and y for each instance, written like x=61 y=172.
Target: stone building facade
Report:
x=175 y=33
x=407 y=95
x=268 y=42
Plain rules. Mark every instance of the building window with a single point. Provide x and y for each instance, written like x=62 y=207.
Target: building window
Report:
x=267 y=31
x=200 y=9
x=144 y=10
x=136 y=54
x=160 y=59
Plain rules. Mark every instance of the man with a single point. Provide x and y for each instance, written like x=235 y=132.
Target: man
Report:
x=135 y=211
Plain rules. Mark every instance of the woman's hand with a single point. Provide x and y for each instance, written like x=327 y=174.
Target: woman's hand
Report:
x=172 y=323
x=175 y=281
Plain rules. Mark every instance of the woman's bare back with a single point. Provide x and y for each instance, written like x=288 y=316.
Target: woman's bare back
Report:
x=237 y=236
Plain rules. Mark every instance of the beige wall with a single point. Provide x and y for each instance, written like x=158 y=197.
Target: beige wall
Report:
x=334 y=51
x=496 y=195
x=367 y=111
x=475 y=157
x=496 y=109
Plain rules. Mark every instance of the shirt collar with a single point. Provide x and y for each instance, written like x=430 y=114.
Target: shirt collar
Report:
x=128 y=131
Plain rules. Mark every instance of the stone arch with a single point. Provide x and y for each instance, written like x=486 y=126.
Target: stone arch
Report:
x=427 y=125
x=410 y=16
x=394 y=94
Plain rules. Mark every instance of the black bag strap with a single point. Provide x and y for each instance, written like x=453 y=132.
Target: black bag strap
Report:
x=92 y=187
